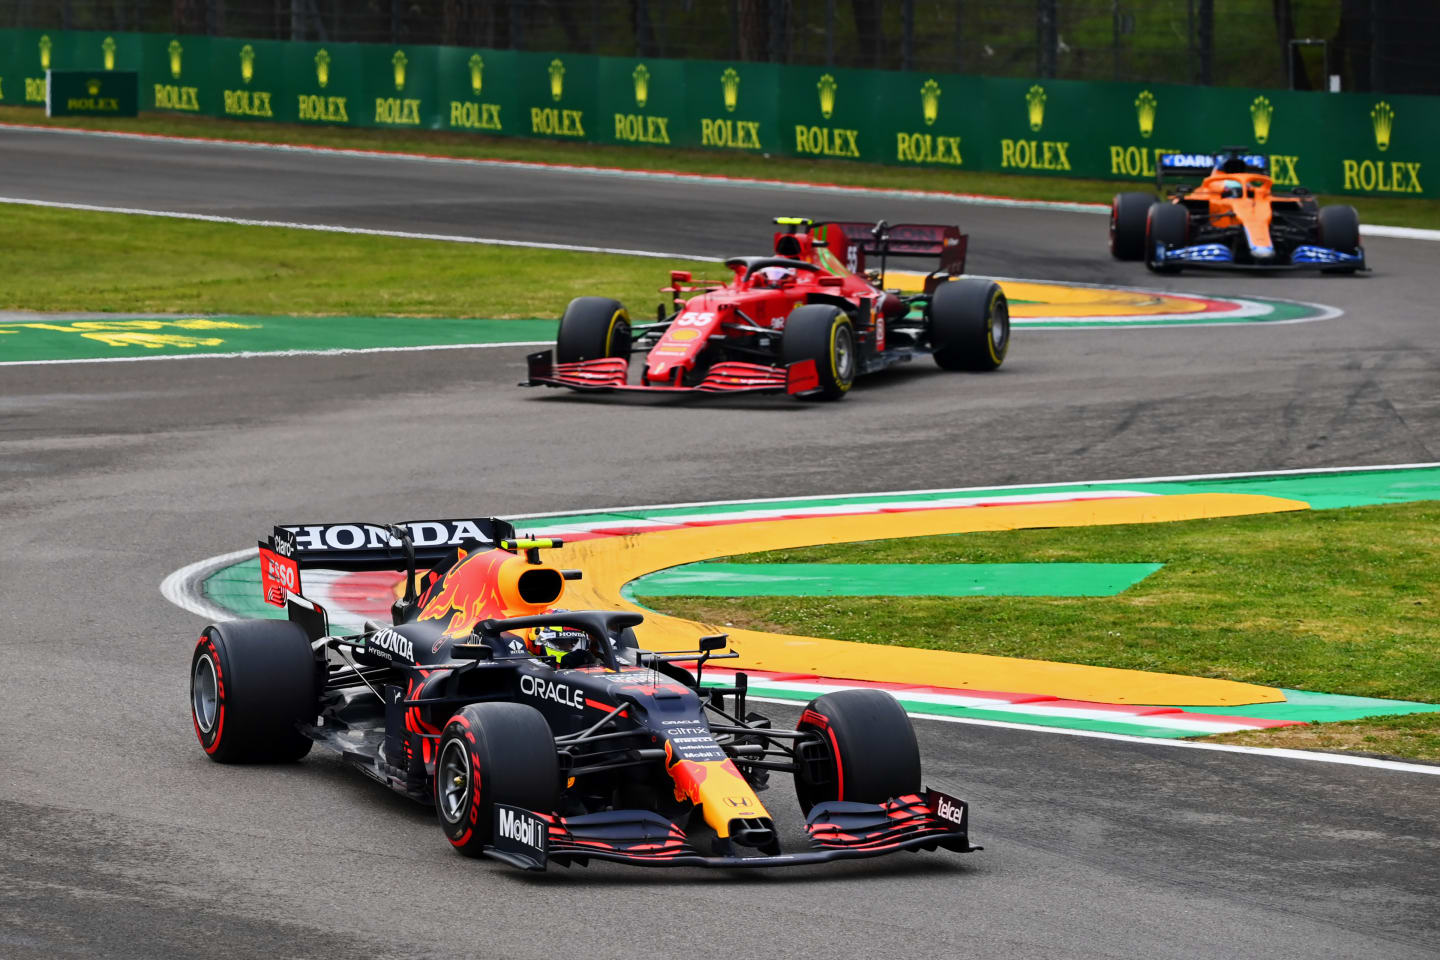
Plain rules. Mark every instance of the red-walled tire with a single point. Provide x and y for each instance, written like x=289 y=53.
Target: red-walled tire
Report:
x=1128 y=213
x=492 y=753
x=251 y=683
x=863 y=749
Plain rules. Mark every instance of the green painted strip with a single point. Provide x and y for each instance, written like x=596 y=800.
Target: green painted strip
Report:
x=1307 y=706
x=53 y=338
x=892 y=580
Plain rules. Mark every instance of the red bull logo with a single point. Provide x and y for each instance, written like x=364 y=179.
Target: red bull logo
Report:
x=491 y=584
x=717 y=788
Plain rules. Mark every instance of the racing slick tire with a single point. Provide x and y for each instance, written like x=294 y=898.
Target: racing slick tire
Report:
x=1128 y=212
x=593 y=328
x=969 y=325
x=1167 y=223
x=826 y=335
x=863 y=749
x=1339 y=229
x=251 y=682
x=506 y=749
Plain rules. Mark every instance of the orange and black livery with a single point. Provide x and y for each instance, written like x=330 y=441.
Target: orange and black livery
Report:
x=543 y=735
x=1226 y=212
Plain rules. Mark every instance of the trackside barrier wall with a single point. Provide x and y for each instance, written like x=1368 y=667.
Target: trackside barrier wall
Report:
x=1332 y=143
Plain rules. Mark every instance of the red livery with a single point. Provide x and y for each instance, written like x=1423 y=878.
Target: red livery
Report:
x=805 y=320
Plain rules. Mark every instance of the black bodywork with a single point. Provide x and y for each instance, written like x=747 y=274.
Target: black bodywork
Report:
x=386 y=694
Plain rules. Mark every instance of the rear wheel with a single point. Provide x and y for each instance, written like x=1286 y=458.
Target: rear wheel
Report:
x=1340 y=230
x=1168 y=224
x=824 y=334
x=251 y=683
x=592 y=328
x=1128 y=212
x=493 y=753
x=862 y=748
x=969 y=325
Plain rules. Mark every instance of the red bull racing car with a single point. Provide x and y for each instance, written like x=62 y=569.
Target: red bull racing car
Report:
x=544 y=735
x=805 y=320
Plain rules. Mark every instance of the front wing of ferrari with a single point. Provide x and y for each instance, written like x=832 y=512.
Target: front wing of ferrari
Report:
x=607 y=374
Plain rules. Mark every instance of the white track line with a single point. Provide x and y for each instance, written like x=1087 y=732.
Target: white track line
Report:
x=974 y=199
x=364 y=231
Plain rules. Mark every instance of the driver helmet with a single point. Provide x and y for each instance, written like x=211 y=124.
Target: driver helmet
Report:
x=555 y=641
x=1232 y=188
x=774 y=276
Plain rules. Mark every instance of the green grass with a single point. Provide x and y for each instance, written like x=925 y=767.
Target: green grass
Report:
x=59 y=260
x=1338 y=601
x=1386 y=210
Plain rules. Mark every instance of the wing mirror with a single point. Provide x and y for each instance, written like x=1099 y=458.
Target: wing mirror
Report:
x=716 y=641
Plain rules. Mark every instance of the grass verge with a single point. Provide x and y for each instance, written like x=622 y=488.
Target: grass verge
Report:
x=72 y=260
x=1338 y=601
x=1386 y=210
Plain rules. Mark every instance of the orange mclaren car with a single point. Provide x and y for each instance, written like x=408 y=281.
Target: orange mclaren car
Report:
x=1232 y=217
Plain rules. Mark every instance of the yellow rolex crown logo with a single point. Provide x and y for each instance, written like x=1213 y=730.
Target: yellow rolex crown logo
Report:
x=175 y=51
x=477 y=73
x=1035 y=106
x=45 y=52
x=827 y=86
x=399 y=61
x=107 y=46
x=1260 y=113
x=247 y=63
x=322 y=67
x=1145 y=105
x=557 y=79
x=930 y=101
x=92 y=87
x=1382 y=117
x=642 y=85
x=730 y=83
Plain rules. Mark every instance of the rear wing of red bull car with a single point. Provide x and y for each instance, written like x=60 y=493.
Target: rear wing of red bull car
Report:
x=291 y=548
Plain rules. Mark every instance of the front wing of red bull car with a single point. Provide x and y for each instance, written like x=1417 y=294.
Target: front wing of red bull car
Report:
x=543 y=735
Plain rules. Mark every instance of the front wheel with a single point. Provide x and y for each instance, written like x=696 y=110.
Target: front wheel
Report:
x=861 y=748
x=1167 y=224
x=969 y=325
x=824 y=334
x=493 y=753
x=251 y=683
x=593 y=328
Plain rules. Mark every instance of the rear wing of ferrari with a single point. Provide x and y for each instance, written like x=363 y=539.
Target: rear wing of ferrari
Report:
x=852 y=242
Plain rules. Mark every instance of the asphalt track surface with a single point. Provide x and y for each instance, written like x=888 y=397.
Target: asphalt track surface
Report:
x=119 y=839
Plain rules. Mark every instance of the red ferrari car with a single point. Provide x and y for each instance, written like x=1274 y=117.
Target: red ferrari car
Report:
x=805 y=320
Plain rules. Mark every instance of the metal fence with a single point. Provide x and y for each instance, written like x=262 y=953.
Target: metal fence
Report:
x=1389 y=46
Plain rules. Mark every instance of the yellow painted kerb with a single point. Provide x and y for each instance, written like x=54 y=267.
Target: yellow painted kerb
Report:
x=611 y=562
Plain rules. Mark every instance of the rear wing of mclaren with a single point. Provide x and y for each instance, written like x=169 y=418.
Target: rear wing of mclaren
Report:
x=853 y=242
x=1198 y=166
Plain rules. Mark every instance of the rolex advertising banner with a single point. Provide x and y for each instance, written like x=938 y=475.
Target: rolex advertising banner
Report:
x=732 y=106
x=1330 y=143
x=400 y=87
x=92 y=93
x=248 y=78
x=477 y=92
x=558 y=96
x=176 y=74
x=642 y=102
x=324 y=83
x=827 y=112
x=931 y=119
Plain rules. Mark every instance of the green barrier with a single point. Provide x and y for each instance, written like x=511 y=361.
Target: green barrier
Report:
x=1333 y=143
x=732 y=106
x=92 y=93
